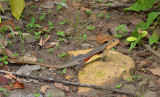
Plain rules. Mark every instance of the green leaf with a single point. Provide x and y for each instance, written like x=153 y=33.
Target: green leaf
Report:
x=153 y=39
x=144 y=33
x=131 y=39
x=50 y=50
x=84 y=36
x=141 y=5
x=1 y=8
x=59 y=33
x=119 y=86
x=17 y=7
x=64 y=71
x=62 y=55
x=151 y=17
x=5 y=62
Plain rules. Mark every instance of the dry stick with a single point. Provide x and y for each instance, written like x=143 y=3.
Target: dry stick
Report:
x=73 y=83
x=151 y=50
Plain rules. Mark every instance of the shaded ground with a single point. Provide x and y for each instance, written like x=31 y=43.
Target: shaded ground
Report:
x=74 y=41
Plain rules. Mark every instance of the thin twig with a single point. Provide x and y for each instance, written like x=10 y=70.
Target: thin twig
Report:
x=151 y=50
x=74 y=83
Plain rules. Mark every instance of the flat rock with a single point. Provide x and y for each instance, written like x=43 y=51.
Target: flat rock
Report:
x=103 y=73
x=30 y=39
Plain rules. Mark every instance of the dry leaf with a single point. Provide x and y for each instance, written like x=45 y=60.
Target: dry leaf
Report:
x=44 y=88
x=7 y=52
x=104 y=38
x=45 y=40
x=16 y=85
x=41 y=42
x=52 y=44
x=155 y=71
x=5 y=67
x=28 y=58
x=9 y=23
x=4 y=80
x=68 y=77
x=61 y=86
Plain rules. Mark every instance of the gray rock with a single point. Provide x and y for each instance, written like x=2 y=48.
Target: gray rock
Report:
x=129 y=87
x=30 y=39
x=150 y=94
x=32 y=95
x=54 y=92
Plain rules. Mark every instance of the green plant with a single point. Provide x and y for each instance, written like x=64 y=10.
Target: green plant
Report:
x=3 y=59
x=98 y=1
x=84 y=37
x=107 y=16
x=60 y=4
x=100 y=15
x=137 y=35
x=34 y=6
x=64 y=71
x=61 y=39
x=121 y=30
x=36 y=95
x=37 y=34
x=88 y=11
x=49 y=11
x=17 y=27
x=50 y=25
x=62 y=23
x=2 y=90
x=62 y=55
x=49 y=50
x=136 y=77
x=60 y=33
x=15 y=55
x=90 y=28
x=40 y=60
x=119 y=86
x=31 y=26
x=77 y=24
x=42 y=17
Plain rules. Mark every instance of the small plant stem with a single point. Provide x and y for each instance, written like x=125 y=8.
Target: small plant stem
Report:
x=70 y=22
x=2 y=49
x=77 y=21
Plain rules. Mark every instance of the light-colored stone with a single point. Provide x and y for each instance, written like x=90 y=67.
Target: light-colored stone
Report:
x=116 y=67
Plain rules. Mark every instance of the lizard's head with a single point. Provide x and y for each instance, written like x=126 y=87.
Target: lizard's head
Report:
x=112 y=43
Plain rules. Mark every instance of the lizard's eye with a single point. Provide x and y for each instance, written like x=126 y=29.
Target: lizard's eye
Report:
x=114 y=40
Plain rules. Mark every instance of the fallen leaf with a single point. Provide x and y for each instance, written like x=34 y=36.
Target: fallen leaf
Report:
x=44 y=88
x=28 y=58
x=7 y=52
x=52 y=44
x=9 y=23
x=5 y=67
x=45 y=40
x=155 y=71
x=41 y=42
x=104 y=38
x=16 y=85
x=4 y=80
x=61 y=86
x=67 y=77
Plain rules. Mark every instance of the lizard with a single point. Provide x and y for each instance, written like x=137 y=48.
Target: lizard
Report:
x=104 y=47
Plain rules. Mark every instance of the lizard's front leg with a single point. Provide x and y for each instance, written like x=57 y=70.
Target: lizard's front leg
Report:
x=104 y=54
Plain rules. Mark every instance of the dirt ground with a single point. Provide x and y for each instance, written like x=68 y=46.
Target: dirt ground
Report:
x=149 y=84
